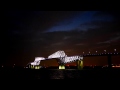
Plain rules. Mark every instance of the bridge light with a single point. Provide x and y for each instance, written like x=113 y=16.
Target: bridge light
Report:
x=96 y=51
x=115 y=50
x=104 y=50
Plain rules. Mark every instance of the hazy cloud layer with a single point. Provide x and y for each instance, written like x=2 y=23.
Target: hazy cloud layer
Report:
x=43 y=33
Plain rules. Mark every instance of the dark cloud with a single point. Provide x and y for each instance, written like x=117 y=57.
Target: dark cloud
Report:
x=37 y=20
x=114 y=14
x=24 y=35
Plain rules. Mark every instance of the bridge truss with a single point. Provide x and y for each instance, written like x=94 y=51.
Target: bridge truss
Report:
x=61 y=58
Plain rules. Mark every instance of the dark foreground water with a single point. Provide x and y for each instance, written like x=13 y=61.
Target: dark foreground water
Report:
x=59 y=74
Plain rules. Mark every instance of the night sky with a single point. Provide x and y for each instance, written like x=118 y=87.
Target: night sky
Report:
x=29 y=34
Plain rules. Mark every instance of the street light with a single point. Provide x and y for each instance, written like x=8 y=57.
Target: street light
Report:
x=104 y=50
x=83 y=52
x=96 y=51
x=115 y=50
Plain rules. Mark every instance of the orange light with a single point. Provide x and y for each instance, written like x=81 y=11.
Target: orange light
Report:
x=115 y=66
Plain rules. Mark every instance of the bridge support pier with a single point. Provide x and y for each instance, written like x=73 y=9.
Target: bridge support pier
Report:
x=35 y=67
x=62 y=66
x=80 y=64
x=32 y=66
x=109 y=62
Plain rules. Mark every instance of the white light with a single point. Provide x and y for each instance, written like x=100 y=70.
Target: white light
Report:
x=70 y=59
x=81 y=57
x=89 y=51
x=96 y=51
x=57 y=54
x=39 y=58
x=35 y=63
x=104 y=50
x=114 y=49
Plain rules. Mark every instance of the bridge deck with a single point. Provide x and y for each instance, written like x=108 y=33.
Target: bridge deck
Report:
x=100 y=54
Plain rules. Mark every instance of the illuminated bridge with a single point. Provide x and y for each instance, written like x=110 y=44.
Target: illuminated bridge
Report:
x=62 y=59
